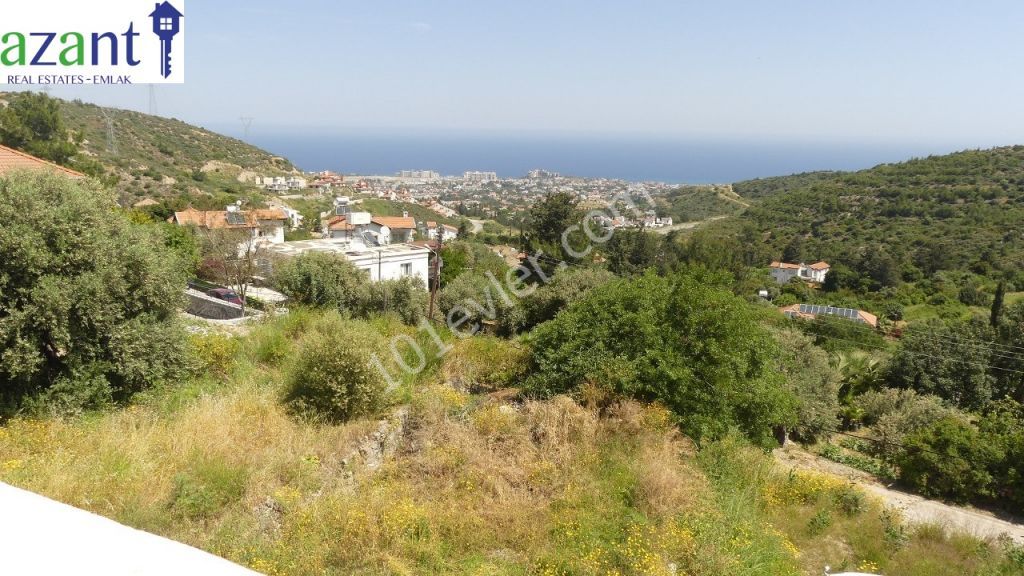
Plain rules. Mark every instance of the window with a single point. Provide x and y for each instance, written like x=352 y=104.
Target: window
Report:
x=407 y=269
x=166 y=23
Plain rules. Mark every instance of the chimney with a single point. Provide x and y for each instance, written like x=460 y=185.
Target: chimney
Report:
x=405 y=214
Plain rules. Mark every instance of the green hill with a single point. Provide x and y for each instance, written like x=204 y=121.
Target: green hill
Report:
x=152 y=156
x=907 y=221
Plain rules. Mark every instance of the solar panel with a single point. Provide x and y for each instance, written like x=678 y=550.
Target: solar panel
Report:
x=236 y=218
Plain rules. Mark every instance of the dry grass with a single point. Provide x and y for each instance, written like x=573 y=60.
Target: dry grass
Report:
x=474 y=485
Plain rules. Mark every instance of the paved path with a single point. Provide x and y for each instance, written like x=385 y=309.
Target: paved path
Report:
x=44 y=537
x=915 y=509
x=684 y=225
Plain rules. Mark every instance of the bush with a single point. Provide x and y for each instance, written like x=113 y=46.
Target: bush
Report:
x=696 y=348
x=949 y=459
x=893 y=414
x=566 y=287
x=321 y=280
x=477 y=299
x=334 y=378
x=405 y=297
x=485 y=363
x=330 y=281
x=82 y=291
x=810 y=378
x=213 y=353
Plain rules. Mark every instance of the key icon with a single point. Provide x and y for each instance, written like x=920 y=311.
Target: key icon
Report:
x=166 y=24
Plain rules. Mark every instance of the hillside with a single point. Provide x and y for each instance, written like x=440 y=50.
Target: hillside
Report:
x=906 y=221
x=449 y=482
x=156 y=156
x=694 y=203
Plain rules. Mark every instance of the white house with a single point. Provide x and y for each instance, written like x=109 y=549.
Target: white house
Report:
x=783 y=272
x=448 y=233
x=295 y=218
x=389 y=262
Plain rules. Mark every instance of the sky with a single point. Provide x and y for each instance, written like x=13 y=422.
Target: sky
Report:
x=942 y=72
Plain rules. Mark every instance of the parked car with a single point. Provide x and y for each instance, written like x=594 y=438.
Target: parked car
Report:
x=225 y=294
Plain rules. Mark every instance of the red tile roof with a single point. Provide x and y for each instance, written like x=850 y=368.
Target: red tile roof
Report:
x=785 y=266
x=819 y=266
x=395 y=222
x=218 y=219
x=11 y=159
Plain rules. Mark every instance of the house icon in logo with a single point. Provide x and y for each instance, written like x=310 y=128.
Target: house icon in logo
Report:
x=166 y=25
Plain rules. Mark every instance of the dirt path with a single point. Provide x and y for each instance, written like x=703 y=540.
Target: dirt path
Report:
x=915 y=509
x=685 y=225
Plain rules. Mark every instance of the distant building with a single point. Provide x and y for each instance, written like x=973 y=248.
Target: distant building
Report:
x=419 y=174
x=265 y=225
x=813 y=311
x=783 y=272
x=379 y=230
x=479 y=177
x=448 y=233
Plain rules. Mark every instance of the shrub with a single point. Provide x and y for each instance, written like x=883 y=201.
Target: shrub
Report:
x=206 y=487
x=565 y=288
x=694 y=347
x=213 y=353
x=949 y=459
x=485 y=363
x=82 y=290
x=810 y=378
x=894 y=414
x=405 y=297
x=321 y=280
x=334 y=378
x=330 y=281
x=473 y=298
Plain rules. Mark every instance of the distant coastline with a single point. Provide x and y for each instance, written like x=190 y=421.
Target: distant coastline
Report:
x=632 y=159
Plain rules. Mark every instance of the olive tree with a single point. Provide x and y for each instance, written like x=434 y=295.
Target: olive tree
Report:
x=85 y=295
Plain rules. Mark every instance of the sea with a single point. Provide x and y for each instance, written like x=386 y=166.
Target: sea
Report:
x=677 y=161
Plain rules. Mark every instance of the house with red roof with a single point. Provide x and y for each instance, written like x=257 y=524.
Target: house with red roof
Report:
x=783 y=272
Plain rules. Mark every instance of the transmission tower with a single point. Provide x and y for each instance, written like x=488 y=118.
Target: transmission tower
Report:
x=246 y=124
x=111 y=135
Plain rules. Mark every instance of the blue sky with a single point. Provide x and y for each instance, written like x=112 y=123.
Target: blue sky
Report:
x=942 y=71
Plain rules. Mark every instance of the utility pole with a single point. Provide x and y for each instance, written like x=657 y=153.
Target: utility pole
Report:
x=437 y=272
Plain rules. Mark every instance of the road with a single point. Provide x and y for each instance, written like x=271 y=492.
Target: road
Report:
x=915 y=509
x=478 y=225
x=685 y=225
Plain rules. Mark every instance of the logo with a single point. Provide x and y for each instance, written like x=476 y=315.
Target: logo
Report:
x=50 y=42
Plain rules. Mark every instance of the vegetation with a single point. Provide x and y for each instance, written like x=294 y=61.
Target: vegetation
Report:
x=88 y=300
x=153 y=156
x=334 y=377
x=681 y=341
x=330 y=281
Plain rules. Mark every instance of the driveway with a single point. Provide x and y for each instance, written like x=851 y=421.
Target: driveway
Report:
x=915 y=509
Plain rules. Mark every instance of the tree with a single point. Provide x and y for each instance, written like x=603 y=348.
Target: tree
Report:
x=950 y=361
x=949 y=459
x=630 y=252
x=33 y=122
x=680 y=340
x=997 y=305
x=87 y=299
x=794 y=251
x=233 y=257
x=564 y=289
x=810 y=378
x=321 y=280
x=552 y=216
x=463 y=230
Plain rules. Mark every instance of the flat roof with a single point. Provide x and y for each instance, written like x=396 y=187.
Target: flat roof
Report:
x=346 y=247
